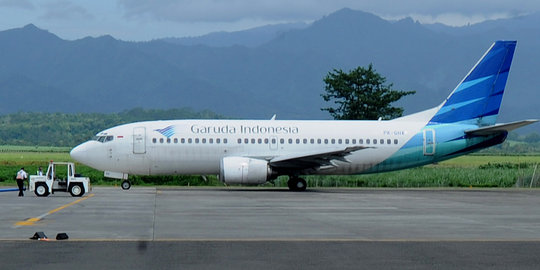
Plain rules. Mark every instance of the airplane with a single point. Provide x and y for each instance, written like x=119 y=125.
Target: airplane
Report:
x=252 y=152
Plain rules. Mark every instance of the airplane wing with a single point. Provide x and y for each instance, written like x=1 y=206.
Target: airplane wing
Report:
x=313 y=159
x=497 y=128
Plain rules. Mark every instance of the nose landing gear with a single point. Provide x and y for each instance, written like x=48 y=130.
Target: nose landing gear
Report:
x=126 y=185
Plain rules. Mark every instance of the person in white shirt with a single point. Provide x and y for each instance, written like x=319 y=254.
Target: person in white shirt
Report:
x=21 y=176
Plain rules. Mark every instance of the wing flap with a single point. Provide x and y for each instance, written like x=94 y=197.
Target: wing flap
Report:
x=313 y=159
x=498 y=128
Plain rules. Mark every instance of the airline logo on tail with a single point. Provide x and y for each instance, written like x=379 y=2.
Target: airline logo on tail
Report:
x=476 y=100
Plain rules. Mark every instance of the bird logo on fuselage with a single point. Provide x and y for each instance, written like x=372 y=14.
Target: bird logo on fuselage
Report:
x=167 y=132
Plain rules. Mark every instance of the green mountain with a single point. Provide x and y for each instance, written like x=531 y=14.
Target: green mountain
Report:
x=269 y=73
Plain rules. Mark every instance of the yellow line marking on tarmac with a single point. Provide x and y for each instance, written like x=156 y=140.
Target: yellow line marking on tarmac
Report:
x=32 y=221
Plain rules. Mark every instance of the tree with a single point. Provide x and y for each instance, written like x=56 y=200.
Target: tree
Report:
x=532 y=138
x=361 y=94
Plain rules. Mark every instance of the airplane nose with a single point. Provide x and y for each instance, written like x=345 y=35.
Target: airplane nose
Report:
x=80 y=153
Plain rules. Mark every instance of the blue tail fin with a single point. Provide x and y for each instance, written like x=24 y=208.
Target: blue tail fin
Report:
x=476 y=100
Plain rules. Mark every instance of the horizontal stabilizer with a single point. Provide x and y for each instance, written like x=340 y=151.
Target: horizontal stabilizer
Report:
x=498 y=128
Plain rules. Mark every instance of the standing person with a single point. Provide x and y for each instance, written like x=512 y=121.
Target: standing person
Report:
x=21 y=176
x=40 y=171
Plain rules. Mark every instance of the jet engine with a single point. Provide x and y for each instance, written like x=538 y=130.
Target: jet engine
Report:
x=242 y=170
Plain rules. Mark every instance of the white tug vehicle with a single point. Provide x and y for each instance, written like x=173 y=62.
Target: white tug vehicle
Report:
x=55 y=180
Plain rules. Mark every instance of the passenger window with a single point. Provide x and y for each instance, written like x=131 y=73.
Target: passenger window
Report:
x=312 y=141
x=361 y=141
x=340 y=141
x=382 y=141
x=282 y=141
x=168 y=140
x=325 y=141
x=210 y=141
x=161 y=140
x=218 y=140
x=266 y=141
x=290 y=141
x=225 y=140
x=204 y=140
x=388 y=141
x=346 y=141
x=189 y=140
x=239 y=141
x=319 y=141
x=297 y=141
x=182 y=140
x=196 y=140
x=395 y=141
x=246 y=141
x=154 y=140
x=374 y=141
x=305 y=141
x=175 y=140
x=353 y=141
x=259 y=141
x=367 y=141
x=274 y=141
x=253 y=141
x=333 y=141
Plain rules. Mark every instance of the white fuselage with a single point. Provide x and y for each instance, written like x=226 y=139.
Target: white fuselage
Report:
x=198 y=146
x=256 y=151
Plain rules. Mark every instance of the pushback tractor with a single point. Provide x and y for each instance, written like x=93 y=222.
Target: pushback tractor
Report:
x=58 y=179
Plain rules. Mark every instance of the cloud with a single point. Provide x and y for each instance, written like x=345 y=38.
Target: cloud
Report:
x=223 y=10
x=64 y=10
x=434 y=7
x=304 y=10
x=21 y=4
x=453 y=19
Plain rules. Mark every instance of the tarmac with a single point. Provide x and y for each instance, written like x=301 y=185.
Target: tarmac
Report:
x=262 y=228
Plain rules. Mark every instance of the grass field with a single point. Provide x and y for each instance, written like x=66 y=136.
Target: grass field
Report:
x=465 y=171
x=477 y=160
x=46 y=149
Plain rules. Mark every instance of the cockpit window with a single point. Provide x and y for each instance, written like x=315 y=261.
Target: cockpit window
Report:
x=103 y=139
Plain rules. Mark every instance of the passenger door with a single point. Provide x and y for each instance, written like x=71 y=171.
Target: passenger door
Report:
x=139 y=140
x=429 y=142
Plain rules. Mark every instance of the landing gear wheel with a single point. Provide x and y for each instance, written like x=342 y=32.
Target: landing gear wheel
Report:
x=126 y=185
x=41 y=190
x=290 y=183
x=297 y=184
x=76 y=190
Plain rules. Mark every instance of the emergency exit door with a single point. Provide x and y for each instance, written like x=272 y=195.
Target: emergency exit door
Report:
x=139 y=140
x=273 y=143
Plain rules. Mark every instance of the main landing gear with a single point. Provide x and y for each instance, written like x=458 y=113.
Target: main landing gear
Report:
x=296 y=183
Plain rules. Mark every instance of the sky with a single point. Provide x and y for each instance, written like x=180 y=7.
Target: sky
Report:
x=142 y=20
